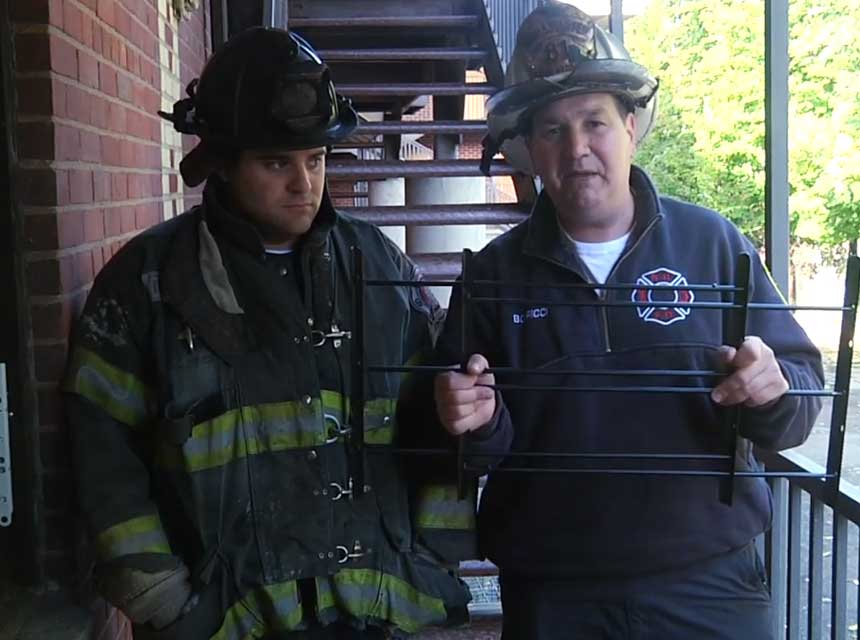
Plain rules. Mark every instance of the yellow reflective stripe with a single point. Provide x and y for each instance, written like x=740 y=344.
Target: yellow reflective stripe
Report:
x=121 y=394
x=379 y=415
x=252 y=430
x=365 y=593
x=272 y=427
x=268 y=608
x=438 y=508
x=143 y=534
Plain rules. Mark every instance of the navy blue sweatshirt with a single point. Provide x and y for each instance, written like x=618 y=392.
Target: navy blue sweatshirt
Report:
x=609 y=525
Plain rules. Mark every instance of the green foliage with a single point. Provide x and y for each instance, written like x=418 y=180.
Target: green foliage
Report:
x=708 y=144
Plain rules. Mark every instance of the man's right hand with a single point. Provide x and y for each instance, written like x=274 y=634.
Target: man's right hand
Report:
x=462 y=406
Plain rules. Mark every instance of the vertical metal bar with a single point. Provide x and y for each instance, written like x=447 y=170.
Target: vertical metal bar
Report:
x=795 y=517
x=734 y=330
x=6 y=504
x=358 y=393
x=776 y=555
x=776 y=141
x=842 y=379
x=465 y=342
x=816 y=567
x=839 y=579
x=616 y=19
x=275 y=13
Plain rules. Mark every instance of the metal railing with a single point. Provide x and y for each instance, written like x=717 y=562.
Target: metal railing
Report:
x=505 y=18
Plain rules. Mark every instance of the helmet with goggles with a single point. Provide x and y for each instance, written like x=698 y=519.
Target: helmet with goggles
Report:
x=264 y=88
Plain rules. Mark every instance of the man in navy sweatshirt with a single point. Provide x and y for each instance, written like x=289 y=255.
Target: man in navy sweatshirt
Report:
x=602 y=555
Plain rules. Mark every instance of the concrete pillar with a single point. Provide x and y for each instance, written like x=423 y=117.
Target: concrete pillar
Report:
x=389 y=193
x=430 y=191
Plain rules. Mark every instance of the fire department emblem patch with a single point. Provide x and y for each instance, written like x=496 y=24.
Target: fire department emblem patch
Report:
x=662 y=315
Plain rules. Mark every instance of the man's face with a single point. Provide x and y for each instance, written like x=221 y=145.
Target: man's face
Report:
x=279 y=191
x=582 y=147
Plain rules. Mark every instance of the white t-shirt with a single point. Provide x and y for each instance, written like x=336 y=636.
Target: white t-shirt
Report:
x=600 y=257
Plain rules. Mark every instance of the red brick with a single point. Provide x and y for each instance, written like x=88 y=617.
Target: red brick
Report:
x=98 y=38
x=64 y=56
x=174 y=183
x=106 y=254
x=32 y=52
x=43 y=277
x=99 y=113
x=119 y=186
x=113 y=222
x=88 y=69
x=127 y=153
x=78 y=104
x=98 y=261
x=105 y=10
x=68 y=142
x=124 y=88
x=64 y=192
x=37 y=186
x=116 y=117
x=111 y=148
x=72 y=21
x=90 y=4
x=70 y=229
x=155 y=184
x=36 y=140
x=90 y=147
x=101 y=186
x=123 y=22
x=107 y=79
x=94 y=225
x=28 y=11
x=41 y=232
x=127 y=219
x=76 y=270
x=87 y=30
x=34 y=96
x=80 y=186
x=123 y=56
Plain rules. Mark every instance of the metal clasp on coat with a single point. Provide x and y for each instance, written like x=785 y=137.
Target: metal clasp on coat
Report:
x=338 y=431
x=340 y=491
x=319 y=337
x=345 y=555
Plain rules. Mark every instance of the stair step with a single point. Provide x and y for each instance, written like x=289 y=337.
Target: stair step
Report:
x=399 y=127
x=387 y=22
x=382 y=169
x=418 y=89
x=440 y=214
x=438 y=266
x=400 y=54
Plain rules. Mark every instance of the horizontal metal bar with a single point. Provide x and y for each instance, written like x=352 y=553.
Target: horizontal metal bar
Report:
x=552 y=454
x=387 y=22
x=427 y=368
x=660 y=304
x=413 y=283
x=399 y=127
x=380 y=169
x=645 y=389
x=657 y=472
x=418 y=89
x=440 y=214
x=729 y=288
x=437 y=265
x=387 y=55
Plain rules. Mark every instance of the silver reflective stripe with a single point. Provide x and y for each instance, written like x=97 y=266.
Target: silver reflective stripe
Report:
x=270 y=608
x=5 y=454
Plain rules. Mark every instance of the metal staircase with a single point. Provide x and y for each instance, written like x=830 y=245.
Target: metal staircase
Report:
x=393 y=58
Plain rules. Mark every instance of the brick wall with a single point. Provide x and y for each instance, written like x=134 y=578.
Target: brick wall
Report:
x=96 y=166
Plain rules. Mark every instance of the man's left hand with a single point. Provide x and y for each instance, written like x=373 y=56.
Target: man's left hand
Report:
x=757 y=379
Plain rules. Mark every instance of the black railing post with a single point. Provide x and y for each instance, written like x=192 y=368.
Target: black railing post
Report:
x=465 y=342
